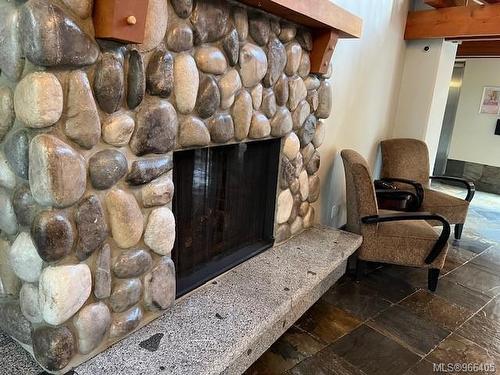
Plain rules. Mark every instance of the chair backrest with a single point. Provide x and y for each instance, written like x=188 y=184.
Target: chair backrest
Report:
x=405 y=158
x=360 y=193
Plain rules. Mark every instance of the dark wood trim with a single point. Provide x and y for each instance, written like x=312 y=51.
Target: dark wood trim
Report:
x=479 y=48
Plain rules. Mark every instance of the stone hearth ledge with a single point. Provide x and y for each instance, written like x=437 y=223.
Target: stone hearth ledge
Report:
x=225 y=325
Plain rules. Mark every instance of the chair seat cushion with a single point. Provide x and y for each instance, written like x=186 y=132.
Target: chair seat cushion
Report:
x=452 y=208
x=402 y=242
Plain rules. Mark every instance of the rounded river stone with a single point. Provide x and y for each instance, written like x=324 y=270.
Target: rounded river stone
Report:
x=284 y=206
x=51 y=38
x=109 y=82
x=259 y=127
x=281 y=123
x=229 y=84
x=291 y=146
x=312 y=82
x=319 y=135
x=156 y=128
x=287 y=32
x=304 y=38
x=11 y=59
x=259 y=28
x=221 y=128
x=159 y=285
x=187 y=81
x=297 y=92
x=294 y=55
x=8 y=221
x=210 y=60
x=57 y=173
x=16 y=148
x=63 y=291
x=53 y=235
x=125 y=322
x=53 y=347
x=136 y=79
x=314 y=188
x=305 y=65
x=287 y=175
x=304 y=185
x=208 y=99
x=160 y=74
x=325 y=100
x=117 y=129
x=82 y=8
x=82 y=119
x=132 y=263
x=253 y=64
x=240 y=18
x=180 y=38
x=91 y=225
x=91 y=323
x=24 y=205
x=7 y=176
x=160 y=231
x=29 y=303
x=106 y=168
x=158 y=192
x=256 y=93
x=281 y=90
x=313 y=165
x=24 y=259
x=125 y=294
x=38 y=100
x=125 y=218
x=209 y=19
x=307 y=131
x=231 y=46
x=242 y=114
x=276 y=61
x=300 y=114
x=193 y=132
x=182 y=8
x=7 y=115
x=268 y=106
x=102 y=275
x=146 y=170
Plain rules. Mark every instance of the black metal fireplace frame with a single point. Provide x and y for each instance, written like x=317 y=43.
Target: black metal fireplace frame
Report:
x=232 y=256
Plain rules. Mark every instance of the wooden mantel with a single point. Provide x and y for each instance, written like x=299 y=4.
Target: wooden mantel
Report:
x=328 y=21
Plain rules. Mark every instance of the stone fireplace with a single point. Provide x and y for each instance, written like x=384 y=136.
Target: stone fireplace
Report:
x=91 y=131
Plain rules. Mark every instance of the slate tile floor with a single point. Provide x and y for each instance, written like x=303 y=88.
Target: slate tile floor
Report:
x=389 y=323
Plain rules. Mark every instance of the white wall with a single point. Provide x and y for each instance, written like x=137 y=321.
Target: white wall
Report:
x=366 y=80
x=473 y=135
x=424 y=90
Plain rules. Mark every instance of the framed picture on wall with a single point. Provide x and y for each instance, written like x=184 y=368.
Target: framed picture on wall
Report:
x=490 y=102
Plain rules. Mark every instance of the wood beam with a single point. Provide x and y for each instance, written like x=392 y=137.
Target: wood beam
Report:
x=479 y=48
x=454 y=23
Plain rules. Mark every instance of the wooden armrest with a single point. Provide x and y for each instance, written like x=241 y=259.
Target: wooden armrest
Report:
x=404 y=216
x=471 y=188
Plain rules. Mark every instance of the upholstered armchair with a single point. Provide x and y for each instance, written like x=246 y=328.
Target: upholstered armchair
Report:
x=406 y=162
x=403 y=238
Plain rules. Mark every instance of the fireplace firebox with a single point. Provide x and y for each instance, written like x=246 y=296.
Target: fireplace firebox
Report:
x=224 y=206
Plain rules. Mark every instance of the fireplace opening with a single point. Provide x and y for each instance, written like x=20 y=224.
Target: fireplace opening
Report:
x=224 y=207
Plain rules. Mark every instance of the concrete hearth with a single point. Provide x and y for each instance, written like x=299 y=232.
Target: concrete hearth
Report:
x=227 y=324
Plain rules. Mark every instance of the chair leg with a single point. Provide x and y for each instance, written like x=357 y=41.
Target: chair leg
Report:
x=458 y=231
x=433 y=279
x=360 y=269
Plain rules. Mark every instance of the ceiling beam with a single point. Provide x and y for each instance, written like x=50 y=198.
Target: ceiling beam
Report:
x=454 y=23
x=479 y=48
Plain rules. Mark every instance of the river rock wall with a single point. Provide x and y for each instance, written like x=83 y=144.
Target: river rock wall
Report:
x=87 y=132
